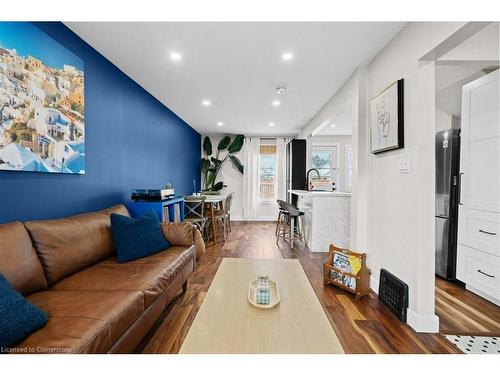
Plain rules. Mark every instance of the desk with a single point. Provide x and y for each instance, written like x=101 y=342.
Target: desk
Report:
x=138 y=208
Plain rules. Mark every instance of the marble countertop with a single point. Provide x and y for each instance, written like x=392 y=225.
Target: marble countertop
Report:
x=321 y=193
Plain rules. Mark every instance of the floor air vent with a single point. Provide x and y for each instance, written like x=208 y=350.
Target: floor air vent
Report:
x=394 y=294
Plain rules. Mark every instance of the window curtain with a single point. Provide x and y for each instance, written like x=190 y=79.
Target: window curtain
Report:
x=281 y=167
x=251 y=151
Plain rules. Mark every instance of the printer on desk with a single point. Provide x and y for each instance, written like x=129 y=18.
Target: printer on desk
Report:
x=152 y=195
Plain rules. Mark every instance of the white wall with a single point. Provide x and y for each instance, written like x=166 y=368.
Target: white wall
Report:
x=398 y=230
x=341 y=141
x=482 y=46
x=445 y=121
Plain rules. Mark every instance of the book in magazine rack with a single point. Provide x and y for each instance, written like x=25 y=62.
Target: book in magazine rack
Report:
x=341 y=274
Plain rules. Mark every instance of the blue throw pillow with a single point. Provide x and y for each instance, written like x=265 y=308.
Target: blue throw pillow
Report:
x=137 y=238
x=19 y=318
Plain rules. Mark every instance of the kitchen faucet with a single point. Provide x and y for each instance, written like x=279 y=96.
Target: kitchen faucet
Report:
x=307 y=176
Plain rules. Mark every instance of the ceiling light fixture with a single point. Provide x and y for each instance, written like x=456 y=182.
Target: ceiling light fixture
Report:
x=220 y=123
x=287 y=56
x=276 y=103
x=206 y=103
x=271 y=124
x=280 y=90
x=175 y=56
x=332 y=125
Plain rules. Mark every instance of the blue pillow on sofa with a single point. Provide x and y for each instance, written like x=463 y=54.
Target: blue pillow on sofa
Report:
x=139 y=237
x=18 y=317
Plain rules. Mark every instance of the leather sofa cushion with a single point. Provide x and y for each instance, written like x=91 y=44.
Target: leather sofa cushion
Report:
x=199 y=243
x=83 y=321
x=152 y=275
x=184 y=234
x=178 y=234
x=19 y=263
x=65 y=246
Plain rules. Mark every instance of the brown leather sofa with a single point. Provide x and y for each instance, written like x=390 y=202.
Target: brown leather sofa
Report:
x=68 y=268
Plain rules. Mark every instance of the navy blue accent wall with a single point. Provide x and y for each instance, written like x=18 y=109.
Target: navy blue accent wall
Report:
x=132 y=141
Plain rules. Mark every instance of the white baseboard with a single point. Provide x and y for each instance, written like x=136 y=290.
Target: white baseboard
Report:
x=374 y=285
x=420 y=323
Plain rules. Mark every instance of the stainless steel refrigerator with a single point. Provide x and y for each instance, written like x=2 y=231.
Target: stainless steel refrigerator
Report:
x=447 y=198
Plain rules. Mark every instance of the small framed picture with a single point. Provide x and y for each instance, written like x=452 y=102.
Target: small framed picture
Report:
x=387 y=119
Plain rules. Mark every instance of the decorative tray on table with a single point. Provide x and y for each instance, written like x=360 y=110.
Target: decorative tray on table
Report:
x=274 y=297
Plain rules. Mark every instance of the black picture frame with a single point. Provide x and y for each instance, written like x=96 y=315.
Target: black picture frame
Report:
x=383 y=119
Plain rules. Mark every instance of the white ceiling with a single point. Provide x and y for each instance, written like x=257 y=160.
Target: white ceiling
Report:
x=340 y=125
x=237 y=66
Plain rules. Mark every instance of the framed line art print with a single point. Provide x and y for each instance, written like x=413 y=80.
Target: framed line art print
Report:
x=387 y=119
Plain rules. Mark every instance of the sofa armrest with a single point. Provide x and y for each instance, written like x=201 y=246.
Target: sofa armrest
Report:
x=184 y=234
x=178 y=234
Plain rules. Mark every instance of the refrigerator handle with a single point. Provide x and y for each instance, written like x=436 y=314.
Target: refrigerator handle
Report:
x=460 y=188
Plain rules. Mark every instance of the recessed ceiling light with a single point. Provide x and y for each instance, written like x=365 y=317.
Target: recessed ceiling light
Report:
x=220 y=123
x=271 y=124
x=280 y=90
x=206 y=103
x=332 y=125
x=276 y=103
x=287 y=56
x=175 y=56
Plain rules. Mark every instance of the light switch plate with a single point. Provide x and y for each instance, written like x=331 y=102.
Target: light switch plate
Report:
x=404 y=165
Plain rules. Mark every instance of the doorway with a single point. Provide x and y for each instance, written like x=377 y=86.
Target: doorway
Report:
x=467 y=317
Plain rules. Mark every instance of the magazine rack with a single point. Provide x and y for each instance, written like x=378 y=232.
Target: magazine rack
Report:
x=347 y=270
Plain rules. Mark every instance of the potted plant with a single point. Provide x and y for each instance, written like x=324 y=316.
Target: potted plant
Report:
x=211 y=165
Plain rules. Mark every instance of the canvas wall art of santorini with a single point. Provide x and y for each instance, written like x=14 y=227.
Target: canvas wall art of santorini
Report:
x=42 y=123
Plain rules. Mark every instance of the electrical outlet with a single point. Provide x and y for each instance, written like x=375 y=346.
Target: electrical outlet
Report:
x=404 y=165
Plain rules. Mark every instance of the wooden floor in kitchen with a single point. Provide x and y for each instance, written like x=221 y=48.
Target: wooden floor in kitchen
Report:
x=365 y=326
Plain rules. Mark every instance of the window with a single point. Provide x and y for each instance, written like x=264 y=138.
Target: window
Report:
x=324 y=159
x=267 y=170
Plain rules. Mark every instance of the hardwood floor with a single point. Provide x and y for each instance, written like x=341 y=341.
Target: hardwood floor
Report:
x=365 y=326
x=463 y=312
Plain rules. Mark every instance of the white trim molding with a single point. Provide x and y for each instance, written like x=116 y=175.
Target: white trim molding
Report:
x=420 y=323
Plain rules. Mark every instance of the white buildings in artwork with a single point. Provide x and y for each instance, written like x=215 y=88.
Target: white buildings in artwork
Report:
x=41 y=115
x=63 y=85
x=71 y=70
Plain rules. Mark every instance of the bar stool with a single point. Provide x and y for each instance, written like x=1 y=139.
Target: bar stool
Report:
x=286 y=228
x=282 y=211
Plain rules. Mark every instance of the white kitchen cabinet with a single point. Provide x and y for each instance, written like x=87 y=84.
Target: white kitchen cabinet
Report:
x=480 y=144
x=480 y=272
x=478 y=256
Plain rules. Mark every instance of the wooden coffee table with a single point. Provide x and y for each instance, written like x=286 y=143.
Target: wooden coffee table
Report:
x=227 y=323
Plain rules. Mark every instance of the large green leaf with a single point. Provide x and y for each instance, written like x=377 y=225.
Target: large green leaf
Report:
x=205 y=165
x=237 y=163
x=224 y=142
x=207 y=146
x=210 y=178
x=216 y=162
x=218 y=186
x=237 y=144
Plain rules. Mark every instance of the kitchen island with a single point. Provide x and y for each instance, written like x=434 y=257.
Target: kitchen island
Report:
x=327 y=218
